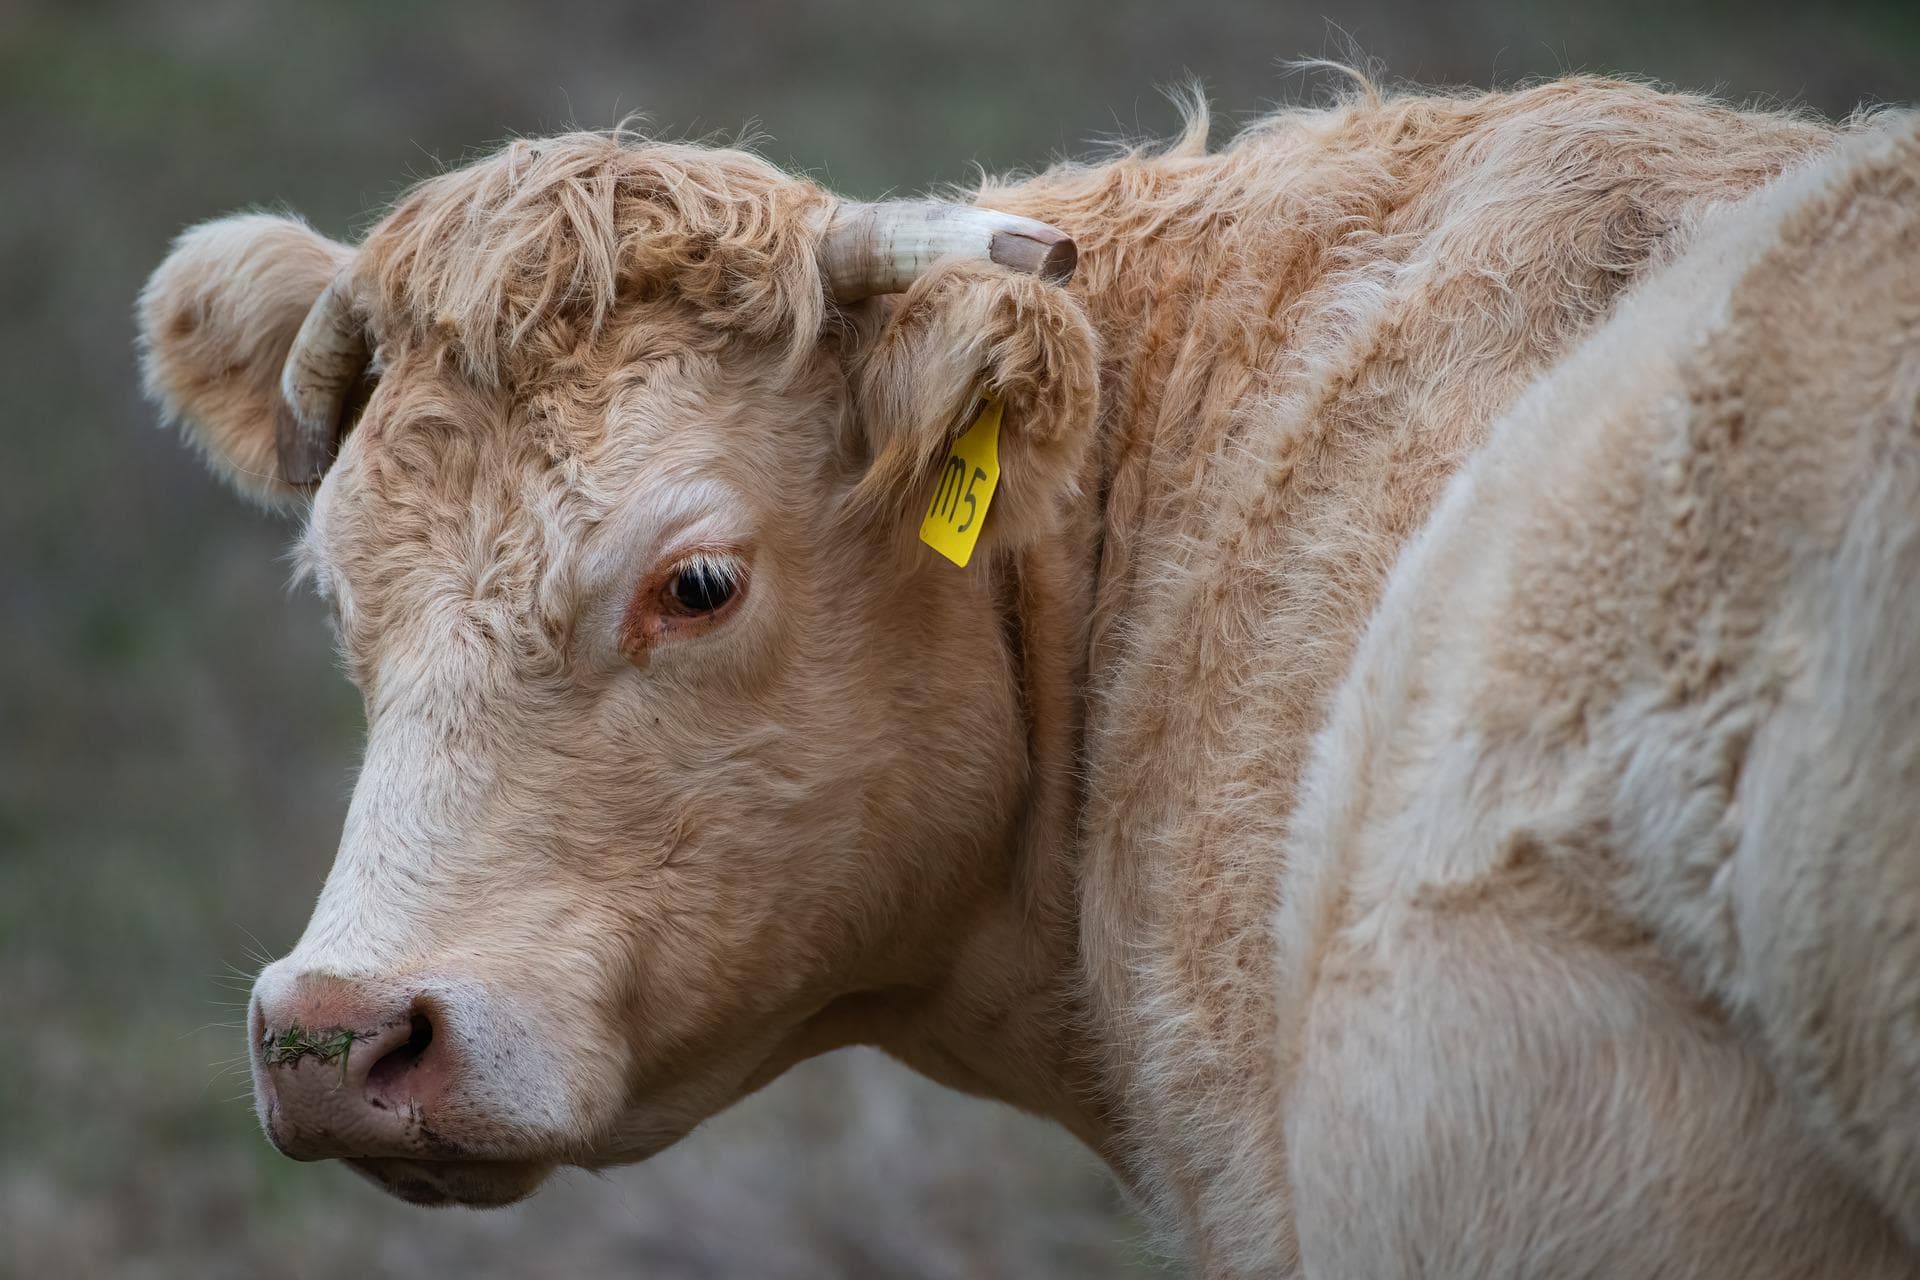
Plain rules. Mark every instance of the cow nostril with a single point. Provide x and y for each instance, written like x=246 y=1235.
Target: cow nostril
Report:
x=398 y=1062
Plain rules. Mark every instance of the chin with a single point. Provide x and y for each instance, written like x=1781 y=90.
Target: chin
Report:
x=470 y=1184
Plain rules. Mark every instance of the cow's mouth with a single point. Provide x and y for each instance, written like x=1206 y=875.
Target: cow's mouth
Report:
x=473 y=1184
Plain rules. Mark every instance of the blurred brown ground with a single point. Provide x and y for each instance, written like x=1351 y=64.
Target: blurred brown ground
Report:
x=175 y=746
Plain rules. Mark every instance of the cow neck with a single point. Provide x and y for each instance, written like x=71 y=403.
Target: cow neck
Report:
x=1008 y=1020
x=1047 y=1049
x=1045 y=596
x=1147 y=269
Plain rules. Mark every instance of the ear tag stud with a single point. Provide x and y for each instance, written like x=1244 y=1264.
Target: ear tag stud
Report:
x=966 y=486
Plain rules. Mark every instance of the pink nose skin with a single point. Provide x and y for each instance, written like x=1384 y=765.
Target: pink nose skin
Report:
x=349 y=1068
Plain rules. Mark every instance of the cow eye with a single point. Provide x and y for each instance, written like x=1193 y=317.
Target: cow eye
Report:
x=701 y=585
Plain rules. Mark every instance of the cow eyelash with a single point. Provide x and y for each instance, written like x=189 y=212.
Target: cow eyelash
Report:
x=702 y=584
x=686 y=597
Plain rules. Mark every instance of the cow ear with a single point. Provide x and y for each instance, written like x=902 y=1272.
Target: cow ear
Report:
x=964 y=331
x=216 y=322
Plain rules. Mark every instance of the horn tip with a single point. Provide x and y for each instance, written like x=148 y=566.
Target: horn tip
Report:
x=1058 y=263
x=1039 y=251
x=301 y=458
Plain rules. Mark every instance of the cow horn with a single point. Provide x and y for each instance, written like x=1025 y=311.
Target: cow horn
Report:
x=326 y=359
x=870 y=249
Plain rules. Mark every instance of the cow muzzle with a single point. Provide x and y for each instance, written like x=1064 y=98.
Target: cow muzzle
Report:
x=441 y=1090
x=351 y=1068
x=374 y=1074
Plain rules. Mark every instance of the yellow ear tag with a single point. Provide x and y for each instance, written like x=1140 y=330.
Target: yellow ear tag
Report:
x=967 y=482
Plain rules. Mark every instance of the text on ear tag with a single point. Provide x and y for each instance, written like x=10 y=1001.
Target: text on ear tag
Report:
x=965 y=488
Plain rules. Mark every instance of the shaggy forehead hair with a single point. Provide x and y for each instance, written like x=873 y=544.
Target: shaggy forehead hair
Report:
x=524 y=254
x=550 y=262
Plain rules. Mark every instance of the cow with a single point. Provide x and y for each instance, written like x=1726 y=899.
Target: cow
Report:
x=1411 y=758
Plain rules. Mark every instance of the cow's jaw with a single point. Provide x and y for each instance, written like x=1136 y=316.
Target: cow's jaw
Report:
x=441 y=1183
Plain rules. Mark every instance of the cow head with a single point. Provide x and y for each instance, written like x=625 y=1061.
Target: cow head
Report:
x=684 y=760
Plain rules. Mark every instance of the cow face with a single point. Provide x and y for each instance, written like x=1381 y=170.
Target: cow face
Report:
x=684 y=761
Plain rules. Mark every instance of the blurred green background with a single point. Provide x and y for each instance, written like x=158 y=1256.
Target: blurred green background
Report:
x=175 y=747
